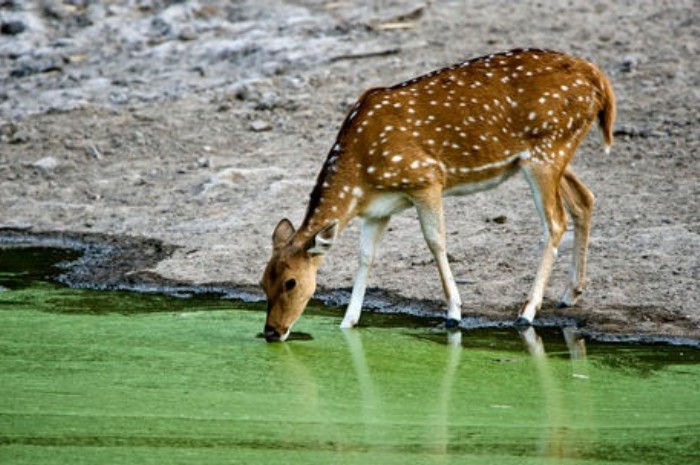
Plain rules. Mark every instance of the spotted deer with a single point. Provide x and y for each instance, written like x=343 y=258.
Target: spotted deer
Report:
x=454 y=131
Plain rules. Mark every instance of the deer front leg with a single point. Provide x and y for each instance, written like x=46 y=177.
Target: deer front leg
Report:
x=370 y=235
x=432 y=222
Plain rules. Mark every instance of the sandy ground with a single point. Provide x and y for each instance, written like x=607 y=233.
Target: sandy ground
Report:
x=200 y=124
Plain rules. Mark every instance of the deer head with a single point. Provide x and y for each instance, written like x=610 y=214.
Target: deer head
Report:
x=289 y=279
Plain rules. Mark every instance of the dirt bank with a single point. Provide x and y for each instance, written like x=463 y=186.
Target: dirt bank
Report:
x=200 y=124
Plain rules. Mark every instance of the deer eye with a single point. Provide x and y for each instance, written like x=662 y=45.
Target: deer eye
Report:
x=290 y=284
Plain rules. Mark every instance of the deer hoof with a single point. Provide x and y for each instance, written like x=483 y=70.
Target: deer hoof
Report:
x=522 y=322
x=570 y=297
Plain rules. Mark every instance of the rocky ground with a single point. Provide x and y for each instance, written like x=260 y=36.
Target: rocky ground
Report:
x=200 y=124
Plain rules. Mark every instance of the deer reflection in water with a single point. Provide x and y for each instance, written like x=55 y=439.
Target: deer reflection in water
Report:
x=559 y=440
x=373 y=409
x=377 y=421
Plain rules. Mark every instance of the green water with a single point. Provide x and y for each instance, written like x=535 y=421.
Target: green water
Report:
x=123 y=378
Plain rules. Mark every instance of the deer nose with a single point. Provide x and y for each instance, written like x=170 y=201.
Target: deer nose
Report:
x=271 y=334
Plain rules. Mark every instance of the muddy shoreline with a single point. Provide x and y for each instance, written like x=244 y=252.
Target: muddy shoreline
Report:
x=123 y=263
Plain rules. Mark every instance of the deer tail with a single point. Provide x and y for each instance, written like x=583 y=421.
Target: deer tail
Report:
x=606 y=116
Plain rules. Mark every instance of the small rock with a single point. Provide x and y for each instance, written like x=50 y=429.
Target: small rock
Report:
x=260 y=125
x=629 y=63
x=37 y=65
x=272 y=101
x=139 y=138
x=13 y=134
x=268 y=101
x=12 y=28
x=241 y=92
x=145 y=5
x=203 y=162
x=187 y=33
x=500 y=219
x=160 y=27
x=56 y=10
x=46 y=164
x=118 y=97
x=93 y=151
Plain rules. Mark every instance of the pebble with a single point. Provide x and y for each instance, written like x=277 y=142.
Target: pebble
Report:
x=13 y=134
x=46 y=164
x=629 y=63
x=241 y=91
x=37 y=65
x=260 y=125
x=187 y=33
x=268 y=101
x=12 y=28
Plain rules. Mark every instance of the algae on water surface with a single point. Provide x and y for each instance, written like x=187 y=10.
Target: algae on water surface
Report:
x=161 y=379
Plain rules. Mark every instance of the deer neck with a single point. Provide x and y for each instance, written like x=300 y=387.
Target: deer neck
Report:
x=337 y=195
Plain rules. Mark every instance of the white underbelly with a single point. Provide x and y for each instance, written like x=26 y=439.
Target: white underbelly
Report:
x=473 y=187
x=386 y=204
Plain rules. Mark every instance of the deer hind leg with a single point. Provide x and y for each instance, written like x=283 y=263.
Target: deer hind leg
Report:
x=579 y=203
x=371 y=233
x=432 y=220
x=544 y=184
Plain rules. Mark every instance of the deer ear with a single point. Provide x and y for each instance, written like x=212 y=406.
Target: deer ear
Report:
x=323 y=240
x=283 y=232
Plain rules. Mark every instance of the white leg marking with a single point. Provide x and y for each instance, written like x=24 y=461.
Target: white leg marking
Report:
x=568 y=242
x=569 y=297
x=571 y=241
x=285 y=335
x=370 y=234
x=537 y=293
